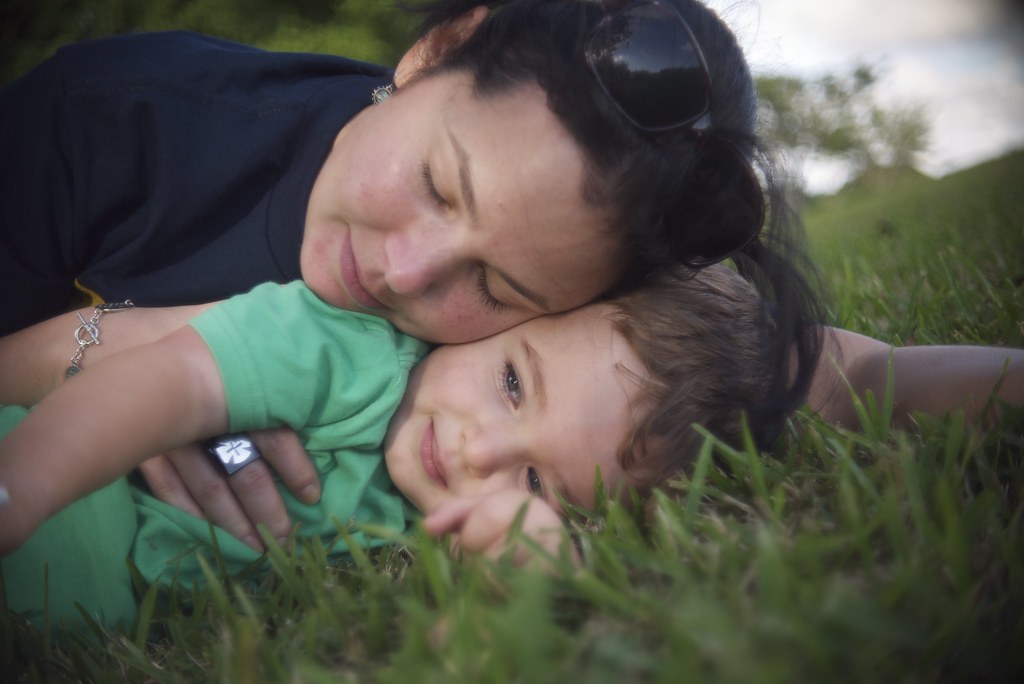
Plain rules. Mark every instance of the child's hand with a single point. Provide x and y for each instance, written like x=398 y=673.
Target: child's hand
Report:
x=482 y=525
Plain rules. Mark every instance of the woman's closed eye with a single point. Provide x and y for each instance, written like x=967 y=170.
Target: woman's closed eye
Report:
x=484 y=289
x=428 y=184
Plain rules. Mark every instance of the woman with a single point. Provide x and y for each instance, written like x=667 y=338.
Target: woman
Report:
x=531 y=159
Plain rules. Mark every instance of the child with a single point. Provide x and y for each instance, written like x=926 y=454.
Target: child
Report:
x=481 y=427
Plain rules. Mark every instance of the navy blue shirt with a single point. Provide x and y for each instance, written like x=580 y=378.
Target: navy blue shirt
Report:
x=169 y=168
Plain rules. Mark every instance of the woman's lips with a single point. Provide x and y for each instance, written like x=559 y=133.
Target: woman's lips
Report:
x=350 y=276
x=428 y=454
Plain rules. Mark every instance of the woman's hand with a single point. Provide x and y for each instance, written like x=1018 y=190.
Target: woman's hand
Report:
x=187 y=478
x=482 y=524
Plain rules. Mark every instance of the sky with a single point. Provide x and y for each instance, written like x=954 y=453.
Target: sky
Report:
x=961 y=59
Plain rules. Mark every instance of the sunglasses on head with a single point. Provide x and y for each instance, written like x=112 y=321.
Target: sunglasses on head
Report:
x=650 y=65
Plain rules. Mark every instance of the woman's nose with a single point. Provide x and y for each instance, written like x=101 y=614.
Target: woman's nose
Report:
x=419 y=259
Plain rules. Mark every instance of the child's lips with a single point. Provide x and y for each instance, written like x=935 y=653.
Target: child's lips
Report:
x=430 y=456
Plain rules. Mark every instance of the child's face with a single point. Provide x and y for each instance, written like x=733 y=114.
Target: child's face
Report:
x=537 y=408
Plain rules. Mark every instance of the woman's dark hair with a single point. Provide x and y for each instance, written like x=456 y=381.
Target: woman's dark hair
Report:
x=661 y=191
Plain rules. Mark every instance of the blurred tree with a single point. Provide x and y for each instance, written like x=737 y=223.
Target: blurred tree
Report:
x=373 y=30
x=838 y=116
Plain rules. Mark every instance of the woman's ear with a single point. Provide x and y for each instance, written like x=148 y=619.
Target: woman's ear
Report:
x=429 y=49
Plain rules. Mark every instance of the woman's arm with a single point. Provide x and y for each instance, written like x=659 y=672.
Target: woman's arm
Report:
x=33 y=360
x=929 y=379
x=101 y=423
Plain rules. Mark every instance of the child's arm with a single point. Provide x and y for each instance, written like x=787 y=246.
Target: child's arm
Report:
x=482 y=524
x=930 y=379
x=103 y=422
x=32 y=364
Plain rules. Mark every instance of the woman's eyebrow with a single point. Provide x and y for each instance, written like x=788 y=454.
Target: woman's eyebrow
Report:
x=465 y=176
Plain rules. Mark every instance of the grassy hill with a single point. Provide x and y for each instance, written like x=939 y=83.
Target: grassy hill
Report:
x=927 y=260
x=873 y=555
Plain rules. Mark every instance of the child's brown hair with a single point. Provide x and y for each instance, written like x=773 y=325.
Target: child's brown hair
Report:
x=703 y=339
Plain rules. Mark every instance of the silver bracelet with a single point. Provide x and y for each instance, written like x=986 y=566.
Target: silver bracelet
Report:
x=88 y=333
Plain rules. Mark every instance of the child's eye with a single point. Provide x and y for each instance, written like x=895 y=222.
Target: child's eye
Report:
x=428 y=184
x=533 y=483
x=510 y=384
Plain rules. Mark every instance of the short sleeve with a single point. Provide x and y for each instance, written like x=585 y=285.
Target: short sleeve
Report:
x=288 y=358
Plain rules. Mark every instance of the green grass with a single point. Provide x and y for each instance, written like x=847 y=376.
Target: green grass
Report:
x=874 y=555
x=916 y=260
x=373 y=30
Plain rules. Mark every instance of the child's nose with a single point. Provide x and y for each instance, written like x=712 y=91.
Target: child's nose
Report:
x=487 y=450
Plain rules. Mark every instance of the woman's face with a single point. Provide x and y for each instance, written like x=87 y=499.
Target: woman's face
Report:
x=455 y=217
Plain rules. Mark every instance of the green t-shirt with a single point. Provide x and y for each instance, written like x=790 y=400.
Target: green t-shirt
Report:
x=286 y=358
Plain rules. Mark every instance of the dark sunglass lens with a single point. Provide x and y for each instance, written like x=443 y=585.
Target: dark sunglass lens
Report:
x=647 y=61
